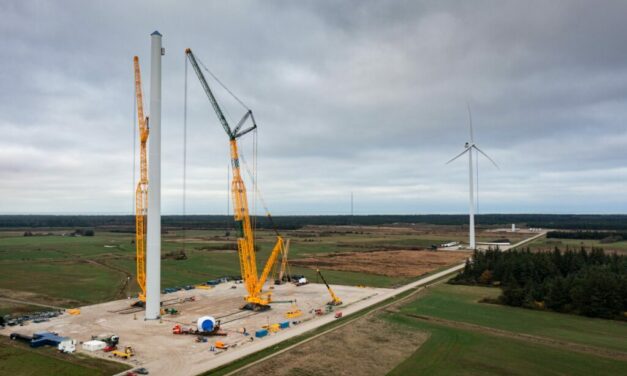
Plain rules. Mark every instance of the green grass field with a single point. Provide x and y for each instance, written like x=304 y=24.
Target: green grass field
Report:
x=460 y=303
x=450 y=351
x=549 y=244
x=19 y=359
x=73 y=271
x=453 y=349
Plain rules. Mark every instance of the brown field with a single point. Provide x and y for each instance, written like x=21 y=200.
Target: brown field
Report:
x=369 y=347
x=387 y=263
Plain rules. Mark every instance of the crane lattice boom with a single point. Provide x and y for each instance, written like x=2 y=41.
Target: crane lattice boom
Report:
x=141 y=192
x=245 y=242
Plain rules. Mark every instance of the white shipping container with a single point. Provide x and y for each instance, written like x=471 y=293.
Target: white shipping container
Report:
x=94 y=345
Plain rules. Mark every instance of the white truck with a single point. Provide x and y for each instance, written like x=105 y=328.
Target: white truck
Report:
x=68 y=346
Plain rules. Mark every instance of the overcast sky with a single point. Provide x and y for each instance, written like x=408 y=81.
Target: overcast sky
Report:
x=366 y=97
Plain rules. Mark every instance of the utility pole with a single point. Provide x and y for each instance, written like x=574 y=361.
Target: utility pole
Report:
x=352 y=212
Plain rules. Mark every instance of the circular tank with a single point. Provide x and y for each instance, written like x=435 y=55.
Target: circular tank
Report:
x=206 y=323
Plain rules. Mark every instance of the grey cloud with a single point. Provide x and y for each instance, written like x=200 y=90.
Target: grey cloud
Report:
x=352 y=96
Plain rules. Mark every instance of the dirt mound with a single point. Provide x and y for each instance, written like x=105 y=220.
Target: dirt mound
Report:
x=389 y=263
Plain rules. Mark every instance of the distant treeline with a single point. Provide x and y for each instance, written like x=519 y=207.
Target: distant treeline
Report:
x=554 y=221
x=589 y=283
x=603 y=236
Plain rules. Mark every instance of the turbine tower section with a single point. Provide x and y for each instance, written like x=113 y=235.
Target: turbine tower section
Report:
x=470 y=148
x=153 y=238
x=471 y=209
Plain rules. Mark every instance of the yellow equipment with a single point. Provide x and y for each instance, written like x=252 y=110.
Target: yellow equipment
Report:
x=141 y=193
x=221 y=345
x=256 y=300
x=335 y=301
x=294 y=311
x=127 y=353
x=74 y=311
x=284 y=265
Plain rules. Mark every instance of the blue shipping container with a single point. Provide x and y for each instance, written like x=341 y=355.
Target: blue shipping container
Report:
x=284 y=324
x=261 y=333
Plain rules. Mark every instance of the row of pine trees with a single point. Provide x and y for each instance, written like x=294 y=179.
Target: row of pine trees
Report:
x=590 y=283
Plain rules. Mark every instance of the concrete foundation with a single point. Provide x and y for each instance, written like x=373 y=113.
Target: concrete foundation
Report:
x=164 y=353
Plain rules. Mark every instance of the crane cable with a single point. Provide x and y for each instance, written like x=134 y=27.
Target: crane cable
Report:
x=253 y=175
x=258 y=193
x=221 y=84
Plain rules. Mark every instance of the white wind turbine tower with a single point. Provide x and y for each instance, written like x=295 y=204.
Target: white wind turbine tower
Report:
x=468 y=148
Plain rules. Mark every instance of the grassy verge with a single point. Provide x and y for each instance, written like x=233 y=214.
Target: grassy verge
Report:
x=452 y=351
x=461 y=303
x=19 y=359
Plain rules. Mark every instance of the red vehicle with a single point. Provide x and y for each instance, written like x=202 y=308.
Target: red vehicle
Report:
x=110 y=348
x=338 y=315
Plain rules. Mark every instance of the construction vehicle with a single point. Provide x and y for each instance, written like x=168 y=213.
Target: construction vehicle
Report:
x=127 y=353
x=293 y=313
x=221 y=345
x=109 y=339
x=169 y=311
x=141 y=192
x=335 y=301
x=255 y=299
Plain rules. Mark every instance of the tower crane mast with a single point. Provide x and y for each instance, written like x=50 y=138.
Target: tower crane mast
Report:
x=141 y=192
x=256 y=300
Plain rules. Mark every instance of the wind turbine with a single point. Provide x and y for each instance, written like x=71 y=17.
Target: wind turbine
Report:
x=468 y=148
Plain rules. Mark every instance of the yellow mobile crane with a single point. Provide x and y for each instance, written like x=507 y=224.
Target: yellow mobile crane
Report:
x=335 y=301
x=141 y=193
x=256 y=300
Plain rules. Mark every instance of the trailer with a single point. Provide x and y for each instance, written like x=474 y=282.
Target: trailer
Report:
x=178 y=329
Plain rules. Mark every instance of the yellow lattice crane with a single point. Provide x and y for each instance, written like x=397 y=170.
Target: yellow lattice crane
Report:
x=335 y=301
x=141 y=192
x=256 y=299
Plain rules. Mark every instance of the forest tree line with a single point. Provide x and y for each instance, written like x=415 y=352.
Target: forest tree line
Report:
x=603 y=236
x=553 y=221
x=590 y=283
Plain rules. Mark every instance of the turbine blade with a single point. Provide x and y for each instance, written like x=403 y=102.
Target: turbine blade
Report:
x=459 y=155
x=485 y=155
x=472 y=135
